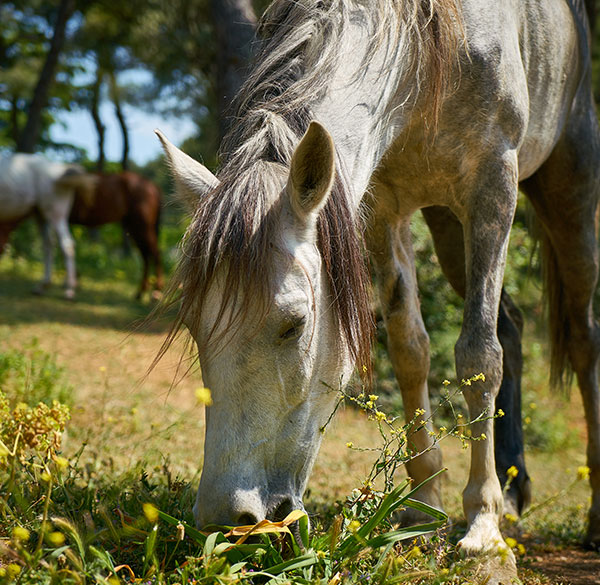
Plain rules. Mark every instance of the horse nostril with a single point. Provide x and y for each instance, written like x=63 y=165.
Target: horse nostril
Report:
x=246 y=519
x=282 y=510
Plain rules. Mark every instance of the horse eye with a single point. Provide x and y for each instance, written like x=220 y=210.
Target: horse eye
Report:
x=293 y=330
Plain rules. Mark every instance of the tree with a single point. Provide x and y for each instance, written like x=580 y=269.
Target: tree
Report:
x=234 y=24
x=28 y=138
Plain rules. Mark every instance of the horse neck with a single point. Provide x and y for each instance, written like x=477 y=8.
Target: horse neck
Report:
x=365 y=105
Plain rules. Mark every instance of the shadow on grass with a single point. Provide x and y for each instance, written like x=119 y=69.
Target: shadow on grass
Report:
x=101 y=304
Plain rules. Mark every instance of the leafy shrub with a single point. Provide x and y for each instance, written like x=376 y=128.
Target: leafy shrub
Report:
x=32 y=375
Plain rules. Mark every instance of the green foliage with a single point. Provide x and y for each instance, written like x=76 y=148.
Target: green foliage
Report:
x=31 y=376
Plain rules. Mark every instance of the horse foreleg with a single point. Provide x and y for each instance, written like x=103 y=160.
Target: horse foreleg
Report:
x=67 y=246
x=487 y=217
x=448 y=240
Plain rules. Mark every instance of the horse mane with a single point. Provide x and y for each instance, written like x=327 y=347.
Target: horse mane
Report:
x=233 y=226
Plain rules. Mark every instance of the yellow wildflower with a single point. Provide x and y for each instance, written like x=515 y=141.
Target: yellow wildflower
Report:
x=520 y=549
x=512 y=472
x=61 y=462
x=349 y=444
x=583 y=472
x=446 y=382
x=373 y=397
x=151 y=512
x=102 y=368
x=354 y=526
x=203 y=396
x=56 y=538
x=511 y=518
x=500 y=412
x=380 y=415
x=20 y=534
x=483 y=436
x=511 y=542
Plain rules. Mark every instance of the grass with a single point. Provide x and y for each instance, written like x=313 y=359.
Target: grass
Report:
x=119 y=508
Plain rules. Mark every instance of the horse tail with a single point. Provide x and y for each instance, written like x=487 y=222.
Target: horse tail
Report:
x=554 y=301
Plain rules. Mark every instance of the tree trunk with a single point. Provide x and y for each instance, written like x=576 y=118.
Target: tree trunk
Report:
x=100 y=128
x=121 y=117
x=30 y=135
x=235 y=24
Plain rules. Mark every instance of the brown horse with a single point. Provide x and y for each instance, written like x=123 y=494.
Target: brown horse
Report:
x=133 y=201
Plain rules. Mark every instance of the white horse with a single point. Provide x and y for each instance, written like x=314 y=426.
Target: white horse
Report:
x=29 y=183
x=420 y=104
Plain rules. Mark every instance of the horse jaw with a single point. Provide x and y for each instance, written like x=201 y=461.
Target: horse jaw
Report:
x=193 y=179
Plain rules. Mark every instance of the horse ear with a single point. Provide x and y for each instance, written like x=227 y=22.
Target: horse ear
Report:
x=312 y=171
x=192 y=178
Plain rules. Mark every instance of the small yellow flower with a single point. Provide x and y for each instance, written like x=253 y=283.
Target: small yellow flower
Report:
x=414 y=552
x=151 y=512
x=61 y=462
x=46 y=476
x=13 y=570
x=512 y=472
x=467 y=382
x=443 y=429
x=203 y=396
x=521 y=549
x=583 y=472
x=20 y=534
x=373 y=397
x=511 y=518
x=364 y=369
x=500 y=412
x=483 y=436
x=102 y=368
x=511 y=542
x=446 y=382
x=419 y=411
x=527 y=420
x=56 y=538
x=349 y=444
x=354 y=526
x=369 y=404
x=380 y=415
x=532 y=405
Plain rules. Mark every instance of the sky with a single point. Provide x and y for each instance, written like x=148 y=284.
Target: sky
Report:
x=78 y=128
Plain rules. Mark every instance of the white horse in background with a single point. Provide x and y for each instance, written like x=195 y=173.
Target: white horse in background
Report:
x=29 y=184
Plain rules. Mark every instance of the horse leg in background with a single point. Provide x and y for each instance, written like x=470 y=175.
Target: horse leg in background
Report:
x=564 y=193
x=6 y=227
x=47 y=245
x=145 y=238
x=448 y=241
x=67 y=246
x=391 y=251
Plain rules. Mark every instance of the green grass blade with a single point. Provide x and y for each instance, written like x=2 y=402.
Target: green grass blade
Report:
x=403 y=534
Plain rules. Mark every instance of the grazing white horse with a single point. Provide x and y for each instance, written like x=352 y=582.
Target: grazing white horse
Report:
x=30 y=183
x=422 y=105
